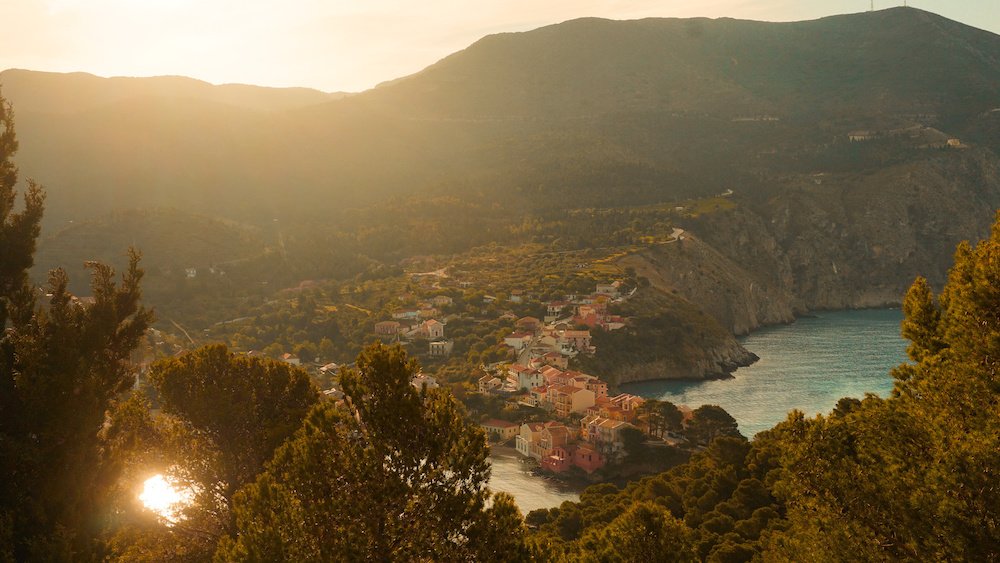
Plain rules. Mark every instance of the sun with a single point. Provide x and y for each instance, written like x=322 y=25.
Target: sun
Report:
x=159 y=496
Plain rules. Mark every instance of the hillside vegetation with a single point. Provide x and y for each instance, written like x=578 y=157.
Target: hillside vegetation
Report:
x=589 y=133
x=590 y=112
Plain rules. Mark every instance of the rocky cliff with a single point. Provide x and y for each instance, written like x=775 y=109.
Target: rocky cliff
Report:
x=847 y=241
x=669 y=338
x=818 y=242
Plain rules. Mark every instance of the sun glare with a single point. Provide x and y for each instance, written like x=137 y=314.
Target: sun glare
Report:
x=159 y=496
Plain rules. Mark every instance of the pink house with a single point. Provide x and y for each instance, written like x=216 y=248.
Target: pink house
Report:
x=587 y=458
x=559 y=459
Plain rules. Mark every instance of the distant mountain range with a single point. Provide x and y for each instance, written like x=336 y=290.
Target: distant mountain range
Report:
x=858 y=150
x=595 y=111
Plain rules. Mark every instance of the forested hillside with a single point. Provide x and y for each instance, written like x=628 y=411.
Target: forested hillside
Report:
x=585 y=113
x=816 y=164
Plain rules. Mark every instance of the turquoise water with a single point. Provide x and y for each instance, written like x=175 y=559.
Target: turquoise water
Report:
x=808 y=365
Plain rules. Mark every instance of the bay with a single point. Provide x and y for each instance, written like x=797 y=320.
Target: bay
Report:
x=513 y=475
x=808 y=365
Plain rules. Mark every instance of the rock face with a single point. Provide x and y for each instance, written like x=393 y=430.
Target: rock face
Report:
x=850 y=241
x=739 y=299
x=835 y=242
x=714 y=362
x=669 y=338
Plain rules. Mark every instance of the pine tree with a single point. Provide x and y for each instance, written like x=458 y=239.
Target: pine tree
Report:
x=64 y=369
x=913 y=477
x=224 y=416
x=395 y=474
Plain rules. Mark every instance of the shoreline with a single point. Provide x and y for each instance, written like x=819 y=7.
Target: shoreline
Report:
x=811 y=314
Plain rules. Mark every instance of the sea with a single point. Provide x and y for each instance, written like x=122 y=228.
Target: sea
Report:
x=808 y=365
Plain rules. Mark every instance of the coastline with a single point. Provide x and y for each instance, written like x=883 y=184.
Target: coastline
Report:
x=806 y=366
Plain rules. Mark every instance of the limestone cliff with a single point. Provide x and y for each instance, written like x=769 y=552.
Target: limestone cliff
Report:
x=818 y=242
x=851 y=241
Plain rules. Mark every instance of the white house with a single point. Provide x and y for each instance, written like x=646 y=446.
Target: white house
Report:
x=421 y=380
x=527 y=377
x=441 y=348
x=517 y=340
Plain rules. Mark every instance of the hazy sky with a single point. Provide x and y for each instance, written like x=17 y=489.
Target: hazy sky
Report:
x=337 y=44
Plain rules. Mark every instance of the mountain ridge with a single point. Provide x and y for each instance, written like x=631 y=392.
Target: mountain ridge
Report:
x=866 y=141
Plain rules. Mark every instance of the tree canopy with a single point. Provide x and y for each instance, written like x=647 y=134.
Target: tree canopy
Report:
x=394 y=473
x=64 y=371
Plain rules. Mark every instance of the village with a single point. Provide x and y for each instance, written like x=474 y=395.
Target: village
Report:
x=515 y=352
x=575 y=422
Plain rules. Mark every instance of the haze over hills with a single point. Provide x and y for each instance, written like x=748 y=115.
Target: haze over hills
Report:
x=585 y=114
x=52 y=92
x=614 y=112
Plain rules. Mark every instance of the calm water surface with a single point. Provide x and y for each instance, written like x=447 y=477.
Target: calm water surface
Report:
x=511 y=475
x=808 y=365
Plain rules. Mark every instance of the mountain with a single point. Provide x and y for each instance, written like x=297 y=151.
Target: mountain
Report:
x=68 y=93
x=892 y=61
x=615 y=112
x=851 y=153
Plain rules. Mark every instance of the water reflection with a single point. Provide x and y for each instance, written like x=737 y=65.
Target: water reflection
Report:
x=511 y=475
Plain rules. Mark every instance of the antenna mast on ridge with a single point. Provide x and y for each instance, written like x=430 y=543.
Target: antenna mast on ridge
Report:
x=873 y=6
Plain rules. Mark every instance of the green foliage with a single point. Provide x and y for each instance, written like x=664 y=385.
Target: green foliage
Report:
x=719 y=496
x=395 y=474
x=18 y=231
x=64 y=372
x=647 y=532
x=912 y=477
x=661 y=417
x=226 y=414
x=709 y=422
x=633 y=440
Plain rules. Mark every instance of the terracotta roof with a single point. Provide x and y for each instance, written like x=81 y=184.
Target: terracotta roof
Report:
x=558 y=430
x=497 y=423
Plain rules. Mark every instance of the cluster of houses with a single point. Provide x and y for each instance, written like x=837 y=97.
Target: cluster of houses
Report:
x=557 y=390
x=419 y=323
x=558 y=447
x=558 y=334
x=562 y=393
